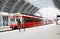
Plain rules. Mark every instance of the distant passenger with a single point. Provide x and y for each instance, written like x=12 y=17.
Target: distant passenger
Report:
x=24 y=27
x=23 y=22
x=19 y=23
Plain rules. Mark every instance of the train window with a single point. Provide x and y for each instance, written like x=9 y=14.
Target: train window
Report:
x=38 y=20
x=17 y=19
x=22 y=21
x=12 y=20
x=41 y=20
x=31 y=20
x=26 y=19
x=35 y=20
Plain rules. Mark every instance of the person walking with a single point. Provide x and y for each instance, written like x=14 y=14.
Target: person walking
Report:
x=19 y=23
x=24 y=27
x=23 y=22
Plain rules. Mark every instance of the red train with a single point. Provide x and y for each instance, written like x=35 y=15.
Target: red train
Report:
x=26 y=20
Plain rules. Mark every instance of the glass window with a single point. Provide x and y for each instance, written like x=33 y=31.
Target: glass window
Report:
x=38 y=20
x=23 y=20
x=41 y=20
x=26 y=19
x=31 y=20
x=35 y=20
x=17 y=19
x=12 y=20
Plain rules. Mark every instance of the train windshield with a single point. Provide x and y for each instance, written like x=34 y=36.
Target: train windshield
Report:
x=12 y=20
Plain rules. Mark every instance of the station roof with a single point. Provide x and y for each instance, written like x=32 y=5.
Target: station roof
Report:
x=14 y=6
x=57 y=3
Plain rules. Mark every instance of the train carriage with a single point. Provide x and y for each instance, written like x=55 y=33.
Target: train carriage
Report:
x=26 y=20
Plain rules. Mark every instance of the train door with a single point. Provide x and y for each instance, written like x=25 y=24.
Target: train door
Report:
x=5 y=20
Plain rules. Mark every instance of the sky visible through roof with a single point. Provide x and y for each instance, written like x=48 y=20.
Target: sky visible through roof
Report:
x=47 y=8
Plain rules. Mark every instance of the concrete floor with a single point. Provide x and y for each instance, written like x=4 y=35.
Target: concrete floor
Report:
x=50 y=31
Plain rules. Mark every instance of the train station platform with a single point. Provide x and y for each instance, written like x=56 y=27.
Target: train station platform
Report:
x=51 y=31
x=5 y=28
